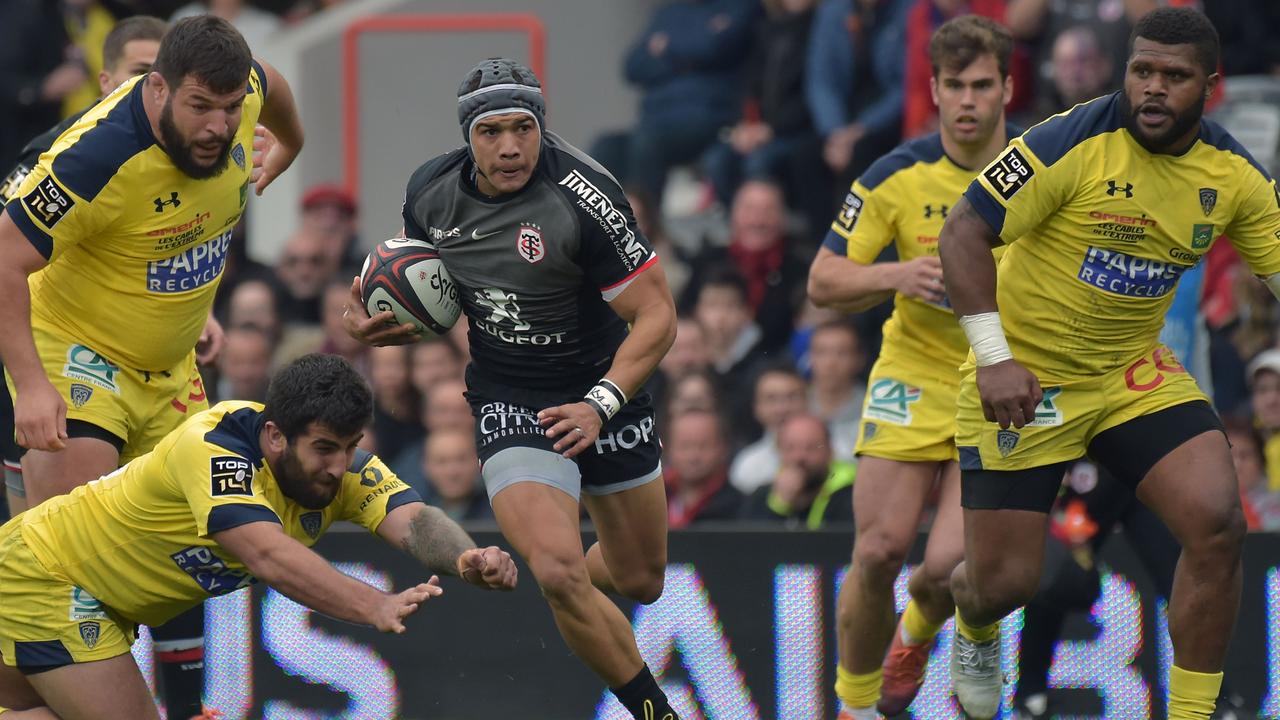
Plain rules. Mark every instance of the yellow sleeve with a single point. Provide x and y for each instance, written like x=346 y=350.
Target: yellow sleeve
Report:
x=54 y=218
x=1017 y=190
x=866 y=222
x=370 y=491
x=223 y=488
x=1255 y=229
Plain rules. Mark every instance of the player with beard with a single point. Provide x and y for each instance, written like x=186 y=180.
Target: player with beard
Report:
x=128 y=50
x=110 y=254
x=239 y=493
x=1103 y=208
x=906 y=442
x=567 y=318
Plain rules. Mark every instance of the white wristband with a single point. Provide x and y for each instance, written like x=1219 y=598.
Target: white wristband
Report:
x=607 y=399
x=986 y=337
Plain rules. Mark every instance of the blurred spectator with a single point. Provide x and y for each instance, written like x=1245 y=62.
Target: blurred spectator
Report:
x=396 y=415
x=39 y=68
x=253 y=305
x=696 y=455
x=1080 y=70
x=764 y=257
x=88 y=22
x=306 y=8
x=257 y=26
x=649 y=222
x=776 y=127
x=920 y=115
x=689 y=353
x=853 y=81
x=780 y=393
x=1264 y=386
x=432 y=361
x=336 y=340
x=1043 y=22
x=329 y=211
x=1261 y=505
x=244 y=366
x=835 y=392
x=304 y=269
x=695 y=391
x=810 y=489
x=686 y=64
x=732 y=338
x=452 y=473
x=445 y=407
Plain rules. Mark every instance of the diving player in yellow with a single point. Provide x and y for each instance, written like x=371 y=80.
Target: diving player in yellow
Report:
x=906 y=442
x=1103 y=208
x=236 y=494
x=110 y=256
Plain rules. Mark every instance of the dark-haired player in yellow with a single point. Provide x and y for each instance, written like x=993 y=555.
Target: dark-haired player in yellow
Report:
x=110 y=255
x=1103 y=207
x=906 y=443
x=237 y=494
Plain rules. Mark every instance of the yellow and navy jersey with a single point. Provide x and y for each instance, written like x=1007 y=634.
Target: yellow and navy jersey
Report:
x=140 y=539
x=1104 y=229
x=135 y=246
x=904 y=198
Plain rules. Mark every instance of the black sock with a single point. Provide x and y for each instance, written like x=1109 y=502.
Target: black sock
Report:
x=179 y=647
x=642 y=697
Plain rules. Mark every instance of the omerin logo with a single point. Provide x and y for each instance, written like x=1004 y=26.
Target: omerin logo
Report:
x=1113 y=188
x=190 y=269
x=173 y=200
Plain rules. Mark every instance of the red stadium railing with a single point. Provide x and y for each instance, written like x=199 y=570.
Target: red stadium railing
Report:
x=525 y=23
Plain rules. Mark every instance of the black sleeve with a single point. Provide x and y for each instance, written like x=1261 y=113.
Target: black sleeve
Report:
x=415 y=227
x=612 y=249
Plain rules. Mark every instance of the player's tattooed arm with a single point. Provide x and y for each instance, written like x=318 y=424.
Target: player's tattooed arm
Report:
x=440 y=544
x=968 y=266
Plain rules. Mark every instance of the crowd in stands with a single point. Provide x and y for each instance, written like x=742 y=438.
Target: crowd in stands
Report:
x=774 y=106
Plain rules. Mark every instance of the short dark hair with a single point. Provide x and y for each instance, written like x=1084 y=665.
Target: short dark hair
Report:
x=960 y=41
x=725 y=276
x=207 y=48
x=1180 y=26
x=784 y=368
x=138 y=27
x=322 y=389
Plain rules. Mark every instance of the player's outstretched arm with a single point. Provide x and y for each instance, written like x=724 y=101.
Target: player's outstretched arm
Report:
x=40 y=414
x=439 y=543
x=647 y=306
x=280 y=116
x=1009 y=391
x=303 y=576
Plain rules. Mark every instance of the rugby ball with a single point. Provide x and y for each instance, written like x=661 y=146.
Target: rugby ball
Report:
x=408 y=278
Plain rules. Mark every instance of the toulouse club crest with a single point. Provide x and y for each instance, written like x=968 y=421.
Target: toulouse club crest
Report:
x=529 y=243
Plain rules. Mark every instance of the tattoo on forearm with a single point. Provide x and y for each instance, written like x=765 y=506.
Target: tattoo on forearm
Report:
x=436 y=541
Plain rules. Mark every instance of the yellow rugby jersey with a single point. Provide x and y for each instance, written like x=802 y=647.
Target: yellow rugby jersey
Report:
x=139 y=539
x=1104 y=229
x=904 y=198
x=135 y=246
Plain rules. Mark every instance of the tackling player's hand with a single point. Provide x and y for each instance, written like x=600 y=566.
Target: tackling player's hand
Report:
x=212 y=338
x=490 y=568
x=390 y=614
x=263 y=141
x=379 y=330
x=1010 y=393
x=40 y=417
x=921 y=278
x=276 y=158
x=576 y=424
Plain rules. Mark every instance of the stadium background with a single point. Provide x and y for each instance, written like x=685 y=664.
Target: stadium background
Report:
x=745 y=629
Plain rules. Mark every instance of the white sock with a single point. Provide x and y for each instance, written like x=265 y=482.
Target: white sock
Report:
x=867 y=713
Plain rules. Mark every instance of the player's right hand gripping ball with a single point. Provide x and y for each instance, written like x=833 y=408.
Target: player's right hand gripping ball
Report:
x=408 y=278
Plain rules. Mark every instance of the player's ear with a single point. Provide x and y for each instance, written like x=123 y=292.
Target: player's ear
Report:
x=933 y=89
x=1211 y=84
x=276 y=441
x=1008 y=88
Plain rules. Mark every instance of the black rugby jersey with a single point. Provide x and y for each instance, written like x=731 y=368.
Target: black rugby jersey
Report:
x=536 y=268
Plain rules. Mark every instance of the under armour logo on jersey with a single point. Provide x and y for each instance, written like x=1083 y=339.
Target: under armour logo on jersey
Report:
x=1112 y=189
x=173 y=200
x=930 y=210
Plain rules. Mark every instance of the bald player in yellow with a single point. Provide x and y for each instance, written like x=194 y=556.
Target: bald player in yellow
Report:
x=111 y=252
x=1103 y=208
x=906 y=444
x=236 y=494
